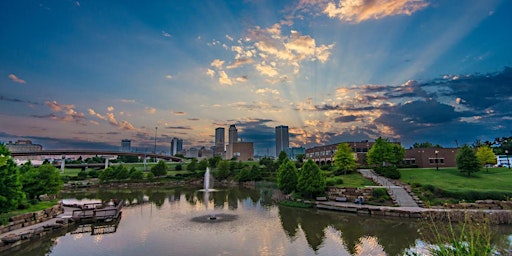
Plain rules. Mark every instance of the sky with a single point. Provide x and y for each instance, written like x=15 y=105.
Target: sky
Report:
x=86 y=74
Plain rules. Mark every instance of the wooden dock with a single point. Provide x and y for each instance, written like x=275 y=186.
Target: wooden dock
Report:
x=97 y=212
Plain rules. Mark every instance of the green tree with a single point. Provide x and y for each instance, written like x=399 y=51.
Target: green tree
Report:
x=192 y=166
x=243 y=175
x=202 y=164
x=485 y=156
x=11 y=194
x=222 y=170
x=122 y=173
x=41 y=180
x=467 y=160
x=255 y=173
x=281 y=157
x=160 y=169
x=384 y=152
x=214 y=161
x=425 y=145
x=287 y=176
x=344 y=159
x=107 y=174
x=311 y=181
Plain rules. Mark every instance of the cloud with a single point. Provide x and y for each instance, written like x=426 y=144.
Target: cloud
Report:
x=217 y=63
x=267 y=91
x=178 y=128
x=345 y=119
x=224 y=78
x=68 y=111
x=179 y=113
x=110 y=108
x=239 y=62
x=165 y=34
x=16 y=79
x=150 y=110
x=362 y=10
x=168 y=77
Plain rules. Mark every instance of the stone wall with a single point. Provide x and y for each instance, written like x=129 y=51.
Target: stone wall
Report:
x=350 y=194
x=29 y=219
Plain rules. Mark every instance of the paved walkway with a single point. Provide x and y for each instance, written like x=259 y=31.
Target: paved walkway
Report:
x=398 y=193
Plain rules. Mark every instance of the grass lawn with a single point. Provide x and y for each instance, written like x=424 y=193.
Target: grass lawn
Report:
x=497 y=179
x=353 y=180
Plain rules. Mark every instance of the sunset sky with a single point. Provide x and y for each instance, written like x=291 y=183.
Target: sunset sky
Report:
x=86 y=74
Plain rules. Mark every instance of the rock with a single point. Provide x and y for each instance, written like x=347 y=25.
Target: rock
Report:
x=11 y=238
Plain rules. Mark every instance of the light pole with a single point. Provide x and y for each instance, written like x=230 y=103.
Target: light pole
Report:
x=154 y=150
x=437 y=160
x=508 y=161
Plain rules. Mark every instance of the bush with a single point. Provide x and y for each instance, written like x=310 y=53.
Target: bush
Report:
x=390 y=172
x=379 y=192
x=82 y=175
x=93 y=174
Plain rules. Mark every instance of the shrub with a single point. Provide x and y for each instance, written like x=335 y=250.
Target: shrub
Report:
x=93 y=174
x=82 y=175
x=379 y=192
x=388 y=172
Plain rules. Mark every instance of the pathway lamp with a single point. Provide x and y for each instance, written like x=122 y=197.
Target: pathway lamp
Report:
x=508 y=161
x=437 y=160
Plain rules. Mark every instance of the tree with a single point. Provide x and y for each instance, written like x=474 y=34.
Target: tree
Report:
x=344 y=158
x=122 y=173
x=287 y=176
x=193 y=165
x=425 y=145
x=41 y=180
x=485 y=156
x=467 y=160
x=11 y=194
x=160 y=169
x=383 y=152
x=282 y=156
x=311 y=181
x=202 y=164
x=214 y=161
x=255 y=173
x=222 y=170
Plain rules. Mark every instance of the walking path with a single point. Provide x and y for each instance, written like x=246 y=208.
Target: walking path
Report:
x=398 y=193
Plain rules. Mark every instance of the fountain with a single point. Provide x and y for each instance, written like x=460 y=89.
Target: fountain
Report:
x=211 y=218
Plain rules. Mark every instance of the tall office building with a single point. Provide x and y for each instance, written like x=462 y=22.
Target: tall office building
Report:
x=233 y=134
x=220 y=140
x=126 y=145
x=282 y=139
x=176 y=146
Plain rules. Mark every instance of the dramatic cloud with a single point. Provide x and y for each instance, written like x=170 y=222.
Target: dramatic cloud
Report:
x=360 y=10
x=68 y=111
x=16 y=79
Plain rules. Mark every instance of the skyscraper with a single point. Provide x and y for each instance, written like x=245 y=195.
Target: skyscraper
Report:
x=176 y=146
x=233 y=134
x=219 y=141
x=282 y=139
x=126 y=145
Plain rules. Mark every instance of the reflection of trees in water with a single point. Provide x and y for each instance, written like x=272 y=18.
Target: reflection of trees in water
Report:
x=158 y=198
x=289 y=221
x=357 y=232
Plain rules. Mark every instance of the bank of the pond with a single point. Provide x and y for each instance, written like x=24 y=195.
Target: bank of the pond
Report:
x=495 y=217
x=33 y=226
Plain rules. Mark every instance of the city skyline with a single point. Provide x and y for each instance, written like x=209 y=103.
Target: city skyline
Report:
x=87 y=74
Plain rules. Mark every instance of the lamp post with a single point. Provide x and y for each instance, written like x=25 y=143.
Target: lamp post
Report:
x=154 y=150
x=508 y=161
x=437 y=160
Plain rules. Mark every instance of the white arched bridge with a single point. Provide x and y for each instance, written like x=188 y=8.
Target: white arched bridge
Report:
x=84 y=152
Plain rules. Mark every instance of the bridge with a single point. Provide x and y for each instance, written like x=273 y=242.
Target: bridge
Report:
x=81 y=152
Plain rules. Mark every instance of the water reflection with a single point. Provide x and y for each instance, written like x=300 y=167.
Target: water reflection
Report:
x=158 y=221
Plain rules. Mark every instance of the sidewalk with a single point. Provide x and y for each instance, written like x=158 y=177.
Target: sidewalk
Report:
x=398 y=193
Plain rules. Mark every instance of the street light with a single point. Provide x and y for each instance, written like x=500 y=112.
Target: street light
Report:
x=154 y=150
x=437 y=160
x=508 y=161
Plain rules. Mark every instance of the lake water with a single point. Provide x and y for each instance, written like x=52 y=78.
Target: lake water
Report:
x=175 y=221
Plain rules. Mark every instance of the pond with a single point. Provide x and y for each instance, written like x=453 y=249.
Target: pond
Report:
x=178 y=221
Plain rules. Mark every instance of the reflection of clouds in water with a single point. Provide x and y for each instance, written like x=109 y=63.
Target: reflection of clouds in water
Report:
x=98 y=239
x=369 y=245
x=420 y=248
x=333 y=239
x=78 y=236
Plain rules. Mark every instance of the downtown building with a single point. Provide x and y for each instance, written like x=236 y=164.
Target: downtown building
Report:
x=176 y=146
x=220 y=141
x=237 y=149
x=282 y=139
x=324 y=155
x=126 y=145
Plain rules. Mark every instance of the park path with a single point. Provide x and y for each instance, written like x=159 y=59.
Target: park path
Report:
x=401 y=196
